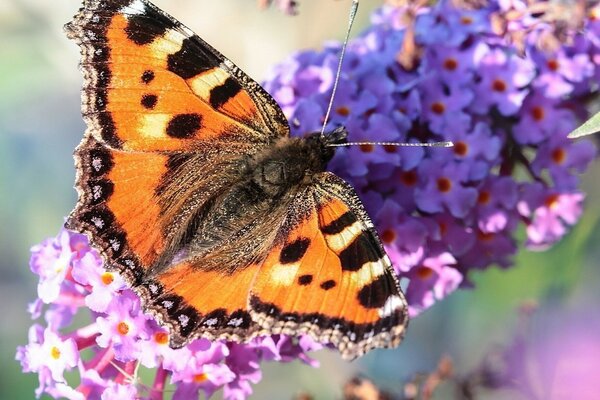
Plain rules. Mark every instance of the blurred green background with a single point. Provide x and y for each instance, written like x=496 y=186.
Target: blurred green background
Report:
x=40 y=125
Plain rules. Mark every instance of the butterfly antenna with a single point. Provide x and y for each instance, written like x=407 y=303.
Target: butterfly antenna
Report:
x=428 y=144
x=353 y=10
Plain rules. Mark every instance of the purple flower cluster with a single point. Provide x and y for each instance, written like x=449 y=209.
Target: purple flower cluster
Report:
x=484 y=78
x=119 y=338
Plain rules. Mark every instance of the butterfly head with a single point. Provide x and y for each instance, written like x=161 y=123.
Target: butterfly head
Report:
x=324 y=142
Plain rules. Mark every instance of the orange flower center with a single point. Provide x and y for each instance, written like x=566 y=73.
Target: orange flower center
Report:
x=438 y=107
x=538 y=113
x=424 y=272
x=444 y=185
x=107 y=278
x=390 y=149
x=450 y=64
x=551 y=201
x=409 y=178
x=55 y=352
x=559 y=156
x=499 y=85
x=461 y=149
x=343 y=111
x=485 y=236
x=388 y=236
x=466 y=20
x=484 y=197
x=443 y=228
x=366 y=148
x=161 y=337
x=123 y=328
x=199 y=378
x=552 y=65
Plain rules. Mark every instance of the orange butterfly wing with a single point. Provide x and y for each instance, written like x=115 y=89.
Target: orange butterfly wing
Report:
x=159 y=102
x=329 y=276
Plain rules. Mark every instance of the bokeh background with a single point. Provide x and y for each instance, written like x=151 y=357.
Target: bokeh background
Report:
x=40 y=125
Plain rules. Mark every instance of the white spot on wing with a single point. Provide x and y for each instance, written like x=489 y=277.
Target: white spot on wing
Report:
x=98 y=222
x=284 y=275
x=340 y=241
x=183 y=319
x=169 y=43
x=136 y=7
x=202 y=84
x=154 y=125
x=368 y=272
x=393 y=303
x=97 y=192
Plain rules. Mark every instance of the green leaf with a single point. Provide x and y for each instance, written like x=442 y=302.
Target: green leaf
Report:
x=590 y=126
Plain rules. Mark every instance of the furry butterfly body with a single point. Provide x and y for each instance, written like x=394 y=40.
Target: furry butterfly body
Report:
x=191 y=187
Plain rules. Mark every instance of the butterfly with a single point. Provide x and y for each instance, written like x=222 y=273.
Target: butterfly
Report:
x=192 y=188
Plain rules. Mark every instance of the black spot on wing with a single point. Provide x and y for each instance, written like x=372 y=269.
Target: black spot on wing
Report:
x=147 y=25
x=338 y=225
x=149 y=101
x=190 y=60
x=375 y=294
x=184 y=126
x=294 y=251
x=363 y=249
x=329 y=284
x=147 y=76
x=305 y=280
x=221 y=94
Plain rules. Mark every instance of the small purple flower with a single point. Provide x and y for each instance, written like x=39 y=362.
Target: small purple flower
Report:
x=104 y=284
x=123 y=328
x=559 y=71
x=432 y=280
x=495 y=202
x=49 y=352
x=444 y=189
x=542 y=118
x=550 y=214
x=51 y=260
x=479 y=148
x=444 y=107
x=503 y=78
x=560 y=157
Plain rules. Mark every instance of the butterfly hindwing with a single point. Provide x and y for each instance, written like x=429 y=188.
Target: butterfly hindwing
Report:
x=195 y=302
x=329 y=276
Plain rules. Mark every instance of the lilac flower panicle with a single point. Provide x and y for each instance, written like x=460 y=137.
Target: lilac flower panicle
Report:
x=504 y=99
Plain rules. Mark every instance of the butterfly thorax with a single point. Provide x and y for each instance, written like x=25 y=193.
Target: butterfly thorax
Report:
x=269 y=180
x=291 y=162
